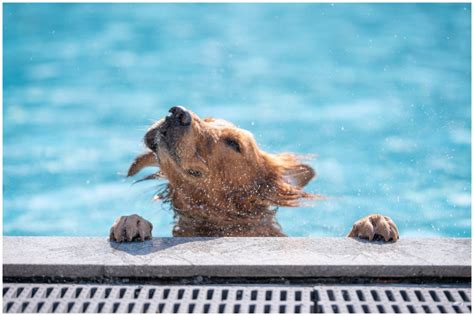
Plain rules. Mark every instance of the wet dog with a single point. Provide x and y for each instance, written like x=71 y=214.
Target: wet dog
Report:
x=219 y=183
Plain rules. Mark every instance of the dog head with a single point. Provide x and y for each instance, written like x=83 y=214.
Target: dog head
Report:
x=211 y=162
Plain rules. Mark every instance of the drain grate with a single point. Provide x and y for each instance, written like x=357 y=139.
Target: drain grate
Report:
x=66 y=298
x=390 y=299
x=100 y=298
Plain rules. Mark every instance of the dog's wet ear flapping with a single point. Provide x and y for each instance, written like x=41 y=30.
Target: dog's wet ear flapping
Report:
x=285 y=181
x=147 y=159
x=294 y=172
x=144 y=160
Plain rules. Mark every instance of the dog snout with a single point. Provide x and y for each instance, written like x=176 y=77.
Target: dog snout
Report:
x=180 y=115
x=169 y=130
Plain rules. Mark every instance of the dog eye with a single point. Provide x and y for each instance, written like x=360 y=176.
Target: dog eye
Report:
x=232 y=143
x=194 y=173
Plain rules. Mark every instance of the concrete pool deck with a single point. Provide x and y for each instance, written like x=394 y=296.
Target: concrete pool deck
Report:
x=96 y=257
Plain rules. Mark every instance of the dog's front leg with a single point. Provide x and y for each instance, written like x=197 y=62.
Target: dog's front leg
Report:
x=130 y=228
x=373 y=226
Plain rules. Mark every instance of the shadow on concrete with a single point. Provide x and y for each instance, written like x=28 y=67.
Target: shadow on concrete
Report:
x=378 y=240
x=140 y=248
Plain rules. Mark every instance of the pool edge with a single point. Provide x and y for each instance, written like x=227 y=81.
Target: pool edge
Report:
x=95 y=257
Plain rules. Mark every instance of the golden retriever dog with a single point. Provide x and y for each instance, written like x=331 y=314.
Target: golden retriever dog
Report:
x=219 y=183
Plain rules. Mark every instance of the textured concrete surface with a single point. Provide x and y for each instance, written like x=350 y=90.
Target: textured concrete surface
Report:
x=235 y=257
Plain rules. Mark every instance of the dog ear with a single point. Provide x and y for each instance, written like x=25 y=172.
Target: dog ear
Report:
x=295 y=173
x=286 y=176
x=299 y=175
x=147 y=159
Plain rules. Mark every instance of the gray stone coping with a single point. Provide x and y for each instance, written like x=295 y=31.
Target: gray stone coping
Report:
x=96 y=257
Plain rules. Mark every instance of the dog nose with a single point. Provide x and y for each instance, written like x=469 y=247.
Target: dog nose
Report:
x=181 y=115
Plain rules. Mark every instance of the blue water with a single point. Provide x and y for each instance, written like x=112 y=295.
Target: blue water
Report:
x=381 y=93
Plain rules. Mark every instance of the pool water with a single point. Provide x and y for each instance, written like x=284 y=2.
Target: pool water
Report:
x=380 y=92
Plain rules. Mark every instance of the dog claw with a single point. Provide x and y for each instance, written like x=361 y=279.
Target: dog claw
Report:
x=130 y=228
x=374 y=226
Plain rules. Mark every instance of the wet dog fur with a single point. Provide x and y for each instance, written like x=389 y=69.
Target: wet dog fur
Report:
x=219 y=182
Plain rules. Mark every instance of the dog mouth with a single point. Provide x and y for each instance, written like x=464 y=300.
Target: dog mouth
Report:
x=168 y=131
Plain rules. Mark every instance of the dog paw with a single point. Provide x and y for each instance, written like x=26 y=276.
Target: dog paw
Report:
x=375 y=227
x=130 y=228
